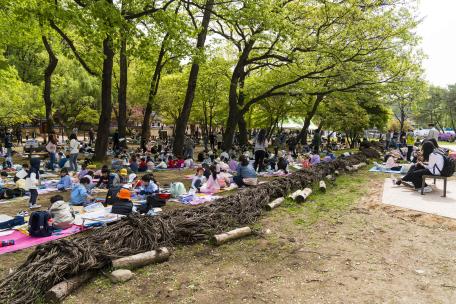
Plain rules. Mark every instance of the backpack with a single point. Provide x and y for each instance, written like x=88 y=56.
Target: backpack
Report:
x=449 y=165
x=38 y=224
x=111 y=196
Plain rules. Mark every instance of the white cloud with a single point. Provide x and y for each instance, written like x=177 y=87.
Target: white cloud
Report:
x=439 y=42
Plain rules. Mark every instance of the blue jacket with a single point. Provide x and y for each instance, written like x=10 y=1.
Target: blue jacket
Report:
x=149 y=189
x=246 y=171
x=64 y=183
x=79 y=195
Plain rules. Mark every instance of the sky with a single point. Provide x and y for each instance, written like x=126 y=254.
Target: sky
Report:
x=438 y=31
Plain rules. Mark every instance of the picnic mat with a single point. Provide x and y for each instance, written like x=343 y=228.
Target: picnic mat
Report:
x=22 y=241
x=199 y=198
x=433 y=203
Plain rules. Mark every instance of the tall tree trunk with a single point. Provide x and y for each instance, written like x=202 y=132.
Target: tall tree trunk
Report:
x=305 y=129
x=52 y=64
x=122 y=92
x=233 y=98
x=153 y=89
x=242 y=125
x=101 y=144
x=184 y=115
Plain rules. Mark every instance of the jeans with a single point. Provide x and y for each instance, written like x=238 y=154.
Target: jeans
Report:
x=74 y=162
x=415 y=175
x=409 y=152
x=52 y=160
x=33 y=197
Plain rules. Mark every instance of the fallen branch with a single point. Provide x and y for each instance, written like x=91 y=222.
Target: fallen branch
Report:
x=322 y=186
x=142 y=259
x=303 y=195
x=220 y=239
x=275 y=203
x=65 y=288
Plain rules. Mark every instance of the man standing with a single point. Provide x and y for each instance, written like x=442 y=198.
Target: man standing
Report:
x=433 y=133
x=91 y=136
x=410 y=141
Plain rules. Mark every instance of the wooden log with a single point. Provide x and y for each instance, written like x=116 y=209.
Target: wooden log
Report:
x=295 y=194
x=350 y=168
x=330 y=177
x=220 y=239
x=142 y=259
x=63 y=289
x=275 y=203
x=322 y=186
x=358 y=166
x=303 y=195
x=336 y=173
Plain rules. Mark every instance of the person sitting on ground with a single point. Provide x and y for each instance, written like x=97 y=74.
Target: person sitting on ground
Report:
x=122 y=204
x=134 y=167
x=180 y=162
x=200 y=157
x=212 y=184
x=65 y=180
x=432 y=164
x=315 y=159
x=107 y=179
x=198 y=180
x=19 y=183
x=282 y=164
x=246 y=174
x=149 y=185
x=80 y=194
x=123 y=176
x=142 y=167
x=3 y=180
x=188 y=163
x=233 y=164
x=172 y=163
x=207 y=171
x=83 y=171
x=61 y=212
x=63 y=160
x=390 y=165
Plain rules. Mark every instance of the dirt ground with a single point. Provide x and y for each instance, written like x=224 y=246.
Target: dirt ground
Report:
x=341 y=247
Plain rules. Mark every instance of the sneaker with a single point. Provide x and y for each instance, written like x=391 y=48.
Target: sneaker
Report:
x=35 y=206
x=23 y=213
x=426 y=189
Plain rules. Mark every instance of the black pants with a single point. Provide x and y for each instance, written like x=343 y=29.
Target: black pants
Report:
x=238 y=180
x=409 y=153
x=33 y=196
x=415 y=175
x=259 y=160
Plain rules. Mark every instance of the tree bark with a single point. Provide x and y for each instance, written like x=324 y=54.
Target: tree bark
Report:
x=242 y=124
x=101 y=143
x=52 y=64
x=184 y=115
x=305 y=129
x=122 y=92
x=153 y=89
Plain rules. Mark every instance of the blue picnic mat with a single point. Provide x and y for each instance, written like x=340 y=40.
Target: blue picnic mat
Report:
x=375 y=169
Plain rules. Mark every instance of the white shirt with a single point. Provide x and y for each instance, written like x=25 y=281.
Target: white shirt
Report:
x=436 y=163
x=261 y=146
x=433 y=133
x=74 y=146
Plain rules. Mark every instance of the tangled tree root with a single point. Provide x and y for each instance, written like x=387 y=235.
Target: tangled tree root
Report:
x=58 y=260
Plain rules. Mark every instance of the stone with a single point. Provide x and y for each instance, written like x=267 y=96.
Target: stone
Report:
x=120 y=275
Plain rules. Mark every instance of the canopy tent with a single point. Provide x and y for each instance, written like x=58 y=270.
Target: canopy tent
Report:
x=296 y=124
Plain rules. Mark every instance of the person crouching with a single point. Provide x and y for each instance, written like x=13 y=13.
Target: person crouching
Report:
x=123 y=205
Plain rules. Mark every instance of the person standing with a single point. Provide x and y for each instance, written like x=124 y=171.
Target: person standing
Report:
x=9 y=143
x=261 y=146
x=91 y=136
x=32 y=181
x=219 y=141
x=19 y=135
x=316 y=141
x=433 y=133
x=51 y=148
x=212 y=141
x=115 y=141
x=74 y=152
x=410 y=141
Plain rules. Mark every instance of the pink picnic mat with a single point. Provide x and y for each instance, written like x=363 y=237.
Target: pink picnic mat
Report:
x=22 y=241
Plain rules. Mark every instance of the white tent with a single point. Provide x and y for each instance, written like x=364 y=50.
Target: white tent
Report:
x=296 y=124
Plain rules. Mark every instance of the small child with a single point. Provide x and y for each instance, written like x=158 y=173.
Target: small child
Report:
x=80 y=195
x=198 y=180
x=83 y=171
x=65 y=180
x=149 y=185
x=3 y=178
x=32 y=181
x=134 y=167
x=122 y=205
x=233 y=164
x=142 y=165
x=61 y=213
x=22 y=174
x=62 y=160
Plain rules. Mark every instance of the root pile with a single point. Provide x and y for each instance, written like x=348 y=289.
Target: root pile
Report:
x=53 y=262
